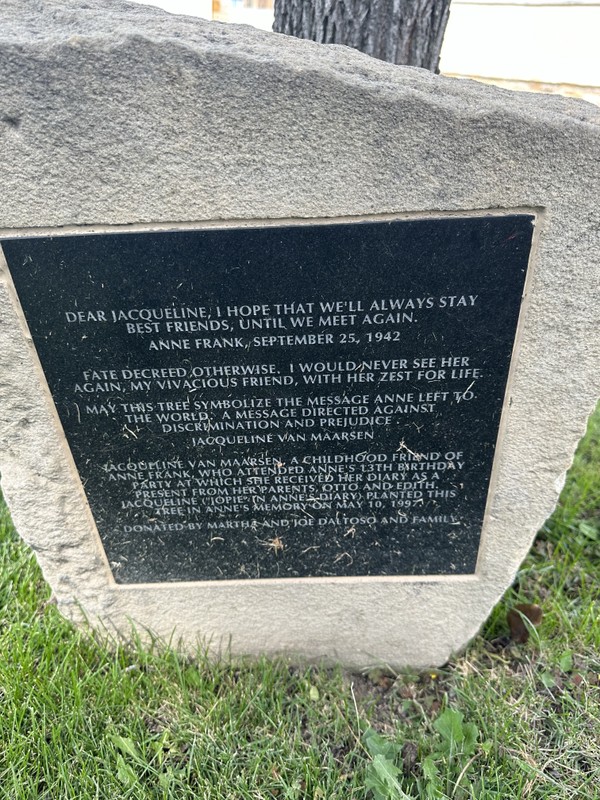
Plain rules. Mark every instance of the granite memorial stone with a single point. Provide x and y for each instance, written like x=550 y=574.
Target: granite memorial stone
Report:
x=295 y=345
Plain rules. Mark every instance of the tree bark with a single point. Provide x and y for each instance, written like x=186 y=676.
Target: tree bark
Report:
x=401 y=31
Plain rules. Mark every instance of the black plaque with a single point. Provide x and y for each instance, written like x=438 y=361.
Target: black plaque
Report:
x=274 y=402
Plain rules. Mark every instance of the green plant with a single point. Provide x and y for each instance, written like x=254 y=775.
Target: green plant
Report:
x=443 y=769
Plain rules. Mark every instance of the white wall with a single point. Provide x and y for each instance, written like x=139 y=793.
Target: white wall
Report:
x=525 y=40
x=193 y=8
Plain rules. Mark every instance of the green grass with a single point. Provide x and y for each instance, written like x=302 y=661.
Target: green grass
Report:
x=81 y=718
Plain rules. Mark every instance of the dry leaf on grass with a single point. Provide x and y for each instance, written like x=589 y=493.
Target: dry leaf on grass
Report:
x=520 y=618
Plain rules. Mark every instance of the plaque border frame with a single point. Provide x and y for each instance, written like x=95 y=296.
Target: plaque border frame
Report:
x=538 y=214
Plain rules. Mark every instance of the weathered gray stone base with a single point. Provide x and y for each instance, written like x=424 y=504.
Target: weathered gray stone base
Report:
x=117 y=114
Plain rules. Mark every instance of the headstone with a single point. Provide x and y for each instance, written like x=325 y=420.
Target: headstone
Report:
x=295 y=345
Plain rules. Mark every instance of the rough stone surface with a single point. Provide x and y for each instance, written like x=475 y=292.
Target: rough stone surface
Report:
x=113 y=114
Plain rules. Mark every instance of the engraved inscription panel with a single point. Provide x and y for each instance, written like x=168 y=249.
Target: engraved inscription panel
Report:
x=281 y=401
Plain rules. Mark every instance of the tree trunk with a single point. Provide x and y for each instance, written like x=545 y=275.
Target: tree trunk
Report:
x=401 y=31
